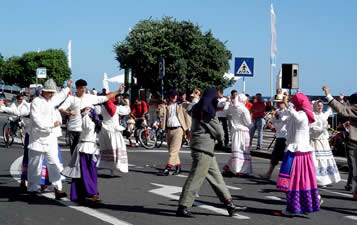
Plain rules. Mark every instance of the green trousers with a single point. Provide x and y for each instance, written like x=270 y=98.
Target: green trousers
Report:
x=204 y=166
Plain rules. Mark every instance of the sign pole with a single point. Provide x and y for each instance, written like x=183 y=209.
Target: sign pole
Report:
x=243 y=85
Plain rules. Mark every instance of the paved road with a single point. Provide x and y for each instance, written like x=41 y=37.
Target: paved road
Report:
x=141 y=197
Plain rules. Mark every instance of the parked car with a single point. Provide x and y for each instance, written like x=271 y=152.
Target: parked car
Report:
x=3 y=97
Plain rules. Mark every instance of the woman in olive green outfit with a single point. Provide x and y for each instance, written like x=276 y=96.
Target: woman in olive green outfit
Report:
x=205 y=130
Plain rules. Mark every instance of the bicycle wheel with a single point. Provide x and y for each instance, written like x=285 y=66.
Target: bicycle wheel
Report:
x=7 y=140
x=147 y=138
x=21 y=132
x=160 y=137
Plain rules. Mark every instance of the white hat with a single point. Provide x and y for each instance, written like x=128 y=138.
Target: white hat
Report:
x=50 y=86
x=279 y=98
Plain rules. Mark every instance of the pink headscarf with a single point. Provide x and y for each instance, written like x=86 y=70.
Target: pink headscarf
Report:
x=301 y=102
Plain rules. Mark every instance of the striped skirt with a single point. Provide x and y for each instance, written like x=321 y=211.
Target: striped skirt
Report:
x=298 y=179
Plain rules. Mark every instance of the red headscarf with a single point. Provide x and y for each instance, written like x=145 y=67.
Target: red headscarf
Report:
x=301 y=102
x=110 y=106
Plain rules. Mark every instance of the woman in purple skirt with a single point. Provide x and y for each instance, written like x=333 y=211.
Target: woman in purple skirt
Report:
x=297 y=172
x=82 y=168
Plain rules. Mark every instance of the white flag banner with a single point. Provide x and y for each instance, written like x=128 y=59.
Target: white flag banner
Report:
x=273 y=49
x=105 y=82
x=70 y=54
x=230 y=76
x=117 y=79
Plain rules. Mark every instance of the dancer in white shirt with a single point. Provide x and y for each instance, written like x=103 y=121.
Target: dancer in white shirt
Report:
x=111 y=142
x=45 y=122
x=73 y=106
x=326 y=168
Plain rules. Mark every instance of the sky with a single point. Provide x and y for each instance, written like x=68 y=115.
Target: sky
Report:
x=318 y=35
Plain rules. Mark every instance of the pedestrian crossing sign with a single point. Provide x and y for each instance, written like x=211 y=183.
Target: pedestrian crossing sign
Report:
x=244 y=67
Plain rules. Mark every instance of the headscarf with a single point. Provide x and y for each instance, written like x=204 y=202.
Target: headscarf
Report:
x=95 y=118
x=314 y=106
x=205 y=109
x=110 y=106
x=239 y=100
x=301 y=102
x=353 y=99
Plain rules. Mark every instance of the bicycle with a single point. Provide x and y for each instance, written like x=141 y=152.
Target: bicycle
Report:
x=146 y=135
x=9 y=134
x=142 y=133
x=159 y=132
x=161 y=135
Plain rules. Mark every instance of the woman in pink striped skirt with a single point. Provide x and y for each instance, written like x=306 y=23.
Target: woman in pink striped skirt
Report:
x=297 y=172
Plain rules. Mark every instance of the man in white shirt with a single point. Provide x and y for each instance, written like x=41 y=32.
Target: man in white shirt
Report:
x=16 y=109
x=176 y=121
x=278 y=124
x=45 y=120
x=73 y=106
x=222 y=107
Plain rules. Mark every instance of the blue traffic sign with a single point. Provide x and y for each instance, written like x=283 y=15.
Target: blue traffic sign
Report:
x=244 y=67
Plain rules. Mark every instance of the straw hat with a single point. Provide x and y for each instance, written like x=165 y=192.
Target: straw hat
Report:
x=279 y=98
x=50 y=86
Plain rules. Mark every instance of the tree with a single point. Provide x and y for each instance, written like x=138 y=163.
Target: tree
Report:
x=22 y=70
x=11 y=70
x=192 y=59
x=2 y=62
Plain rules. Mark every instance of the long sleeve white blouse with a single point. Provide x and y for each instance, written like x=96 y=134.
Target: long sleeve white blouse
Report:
x=298 y=137
x=240 y=117
x=88 y=139
x=43 y=115
x=111 y=123
x=318 y=129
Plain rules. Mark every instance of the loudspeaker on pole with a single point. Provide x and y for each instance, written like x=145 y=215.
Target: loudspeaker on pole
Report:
x=290 y=76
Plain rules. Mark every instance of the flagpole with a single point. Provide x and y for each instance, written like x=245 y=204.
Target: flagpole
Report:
x=271 y=82
x=273 y=49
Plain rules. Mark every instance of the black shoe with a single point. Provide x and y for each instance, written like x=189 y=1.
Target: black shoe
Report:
x=33 y=195
x=348 y=187
x=182 y=211
x=233 y=210
x=166 y=172
x=177 y=170
x=23 y=188
x=60 y=194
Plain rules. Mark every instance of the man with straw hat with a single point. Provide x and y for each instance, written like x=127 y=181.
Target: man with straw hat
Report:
x=278 y=124
x=46 y=121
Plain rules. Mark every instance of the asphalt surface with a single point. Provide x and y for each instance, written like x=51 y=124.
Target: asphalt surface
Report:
x=142 y=197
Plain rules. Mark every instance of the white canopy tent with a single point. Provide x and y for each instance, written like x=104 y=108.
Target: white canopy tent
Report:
x=116 y=79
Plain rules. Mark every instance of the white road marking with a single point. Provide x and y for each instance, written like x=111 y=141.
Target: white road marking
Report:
x=275 y=198
x=131 y=165
x=337 y=193
x=15 y=171
x=166 y=151
x=343 y=180
x=233 y=188
x=169 y=191
x=230 y=187
x=351 y=217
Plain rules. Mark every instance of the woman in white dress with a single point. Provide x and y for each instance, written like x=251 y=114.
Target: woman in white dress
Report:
x=111 y=142
x=240 y=162
x=326 y=169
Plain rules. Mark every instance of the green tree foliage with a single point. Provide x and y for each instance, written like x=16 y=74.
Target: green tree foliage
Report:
x=11 y=70
x=193 y=59
x=22 y=70
x=2 y=61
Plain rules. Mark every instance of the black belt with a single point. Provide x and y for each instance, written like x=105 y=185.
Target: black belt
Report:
x=173 y=128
